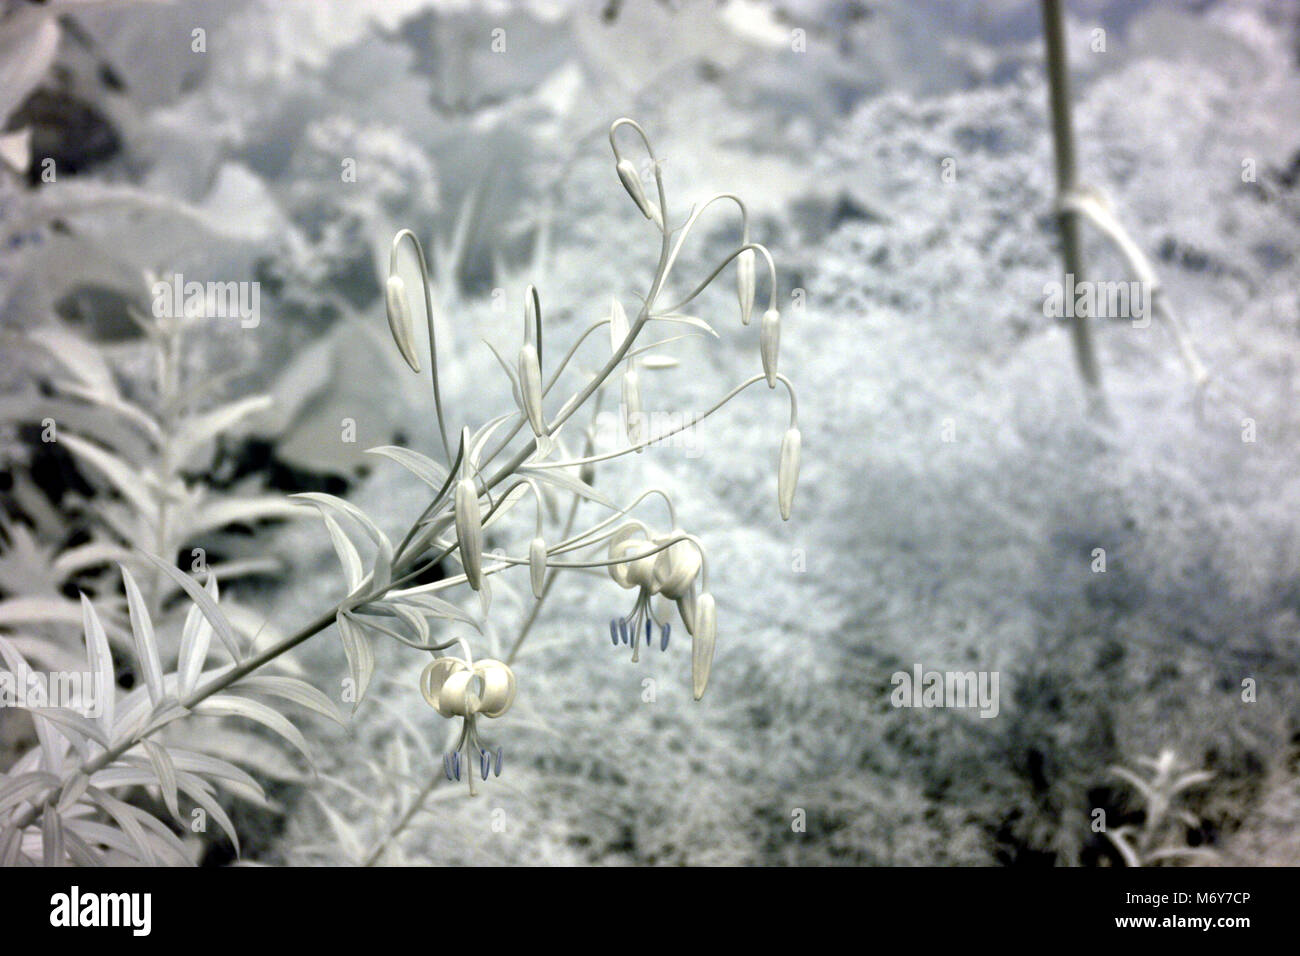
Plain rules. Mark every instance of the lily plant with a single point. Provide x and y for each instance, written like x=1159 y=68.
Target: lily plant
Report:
x=53 y=801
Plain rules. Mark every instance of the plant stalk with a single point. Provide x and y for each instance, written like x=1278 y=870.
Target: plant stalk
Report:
x=1058 y=75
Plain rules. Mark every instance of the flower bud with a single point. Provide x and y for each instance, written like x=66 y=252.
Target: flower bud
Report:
x=399 y=320
x=530 y=383
x=632 y=417
x=532 y=309
x=787 y=472
x=706 y=632
x=745 y=284
x=537 y=566
x=632 y=183
x=618 y=327
x=769 y=344
x=469 y=531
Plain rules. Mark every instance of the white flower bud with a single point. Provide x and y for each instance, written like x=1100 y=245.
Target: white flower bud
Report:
x=399 y=320
x=632 y=183
x=787 y=472
x=537 y=566
x=745 y=284
x=530 y=382
x=531 y=308
x=702 y=641
x=469 y=531
x=618 y=327
x=632 y=417
x=769 y=344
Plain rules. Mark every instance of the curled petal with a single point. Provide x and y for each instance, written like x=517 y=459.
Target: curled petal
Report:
x=787 y=474
x=676 y=566
x=686 y=607
x=706 y=632
x=627 y=571
x=399 y=320
x=498 y=687
x=769 y=344
x=435 y=676
x=633 y=570
x=457 y=697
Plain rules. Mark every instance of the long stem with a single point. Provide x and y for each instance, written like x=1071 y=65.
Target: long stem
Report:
x=1058 y=76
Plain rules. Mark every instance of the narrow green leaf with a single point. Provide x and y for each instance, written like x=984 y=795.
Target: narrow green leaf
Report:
x=432 y=473
x=346 y=551
x=166 y=773
x=51 y=838
x=146 y=644
x=99 y=659
x=361 y=656
x=200 y=597
x=121 y=813
x=294 y=690
x=196 y=790
x=228 y=705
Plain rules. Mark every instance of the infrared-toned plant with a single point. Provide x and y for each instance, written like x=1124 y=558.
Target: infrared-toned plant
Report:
x=1162 y=836
x=532 y=452
x=1076 y=203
